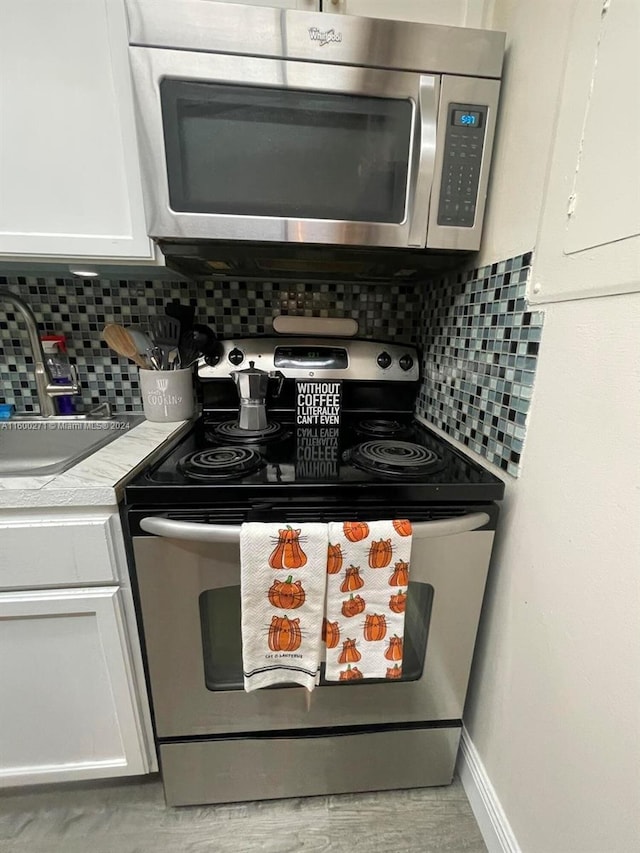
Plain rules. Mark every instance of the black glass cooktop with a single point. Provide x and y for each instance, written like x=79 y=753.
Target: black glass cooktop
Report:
x=385 y=458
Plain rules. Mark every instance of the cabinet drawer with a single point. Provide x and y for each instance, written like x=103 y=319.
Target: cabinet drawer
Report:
x=59 y=550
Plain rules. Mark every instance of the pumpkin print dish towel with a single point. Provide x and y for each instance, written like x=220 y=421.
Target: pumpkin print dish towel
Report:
x=367 y=579
x=283 y=571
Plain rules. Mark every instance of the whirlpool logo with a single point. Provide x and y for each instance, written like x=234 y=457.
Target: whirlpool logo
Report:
x=324 y=36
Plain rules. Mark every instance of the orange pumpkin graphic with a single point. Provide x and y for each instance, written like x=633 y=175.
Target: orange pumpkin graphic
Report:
x=355 y=530
x=400 y=576
x=398 y=602
x=330 y=633
x=284 y=634
x=394 y=649
x=349 y=653
x=288 y=554
x=402 y=526
x=287 y=595
x=375 y=627
x=352 y=580
x=353 y=606
x=395 y=671
x=334 y=559
x=380 y=553
x=351 y=674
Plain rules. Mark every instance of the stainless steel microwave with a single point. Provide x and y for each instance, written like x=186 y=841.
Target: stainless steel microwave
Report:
x=278 y=126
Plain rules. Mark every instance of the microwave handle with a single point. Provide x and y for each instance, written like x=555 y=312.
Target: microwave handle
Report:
x=424 y=155
x=221 y=533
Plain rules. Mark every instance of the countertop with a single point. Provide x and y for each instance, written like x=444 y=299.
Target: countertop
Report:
x=97 y=480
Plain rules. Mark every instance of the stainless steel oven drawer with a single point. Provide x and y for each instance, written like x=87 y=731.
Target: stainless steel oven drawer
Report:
x=274 y=766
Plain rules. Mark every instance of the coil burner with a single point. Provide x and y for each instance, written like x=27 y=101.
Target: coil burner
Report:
x=394 y=459
x=221 y=463
x=231 y=431
x=381 y=428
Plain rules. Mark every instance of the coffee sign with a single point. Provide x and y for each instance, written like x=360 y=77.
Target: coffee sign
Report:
x=317 y=453
x=318 y=403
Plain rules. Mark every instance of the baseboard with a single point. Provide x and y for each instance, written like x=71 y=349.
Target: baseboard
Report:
x=493 y=823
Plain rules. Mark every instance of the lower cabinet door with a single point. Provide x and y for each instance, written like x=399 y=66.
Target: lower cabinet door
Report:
x=68 y=707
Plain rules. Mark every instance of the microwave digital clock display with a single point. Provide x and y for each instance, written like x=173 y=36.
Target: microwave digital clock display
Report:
x=465 y=118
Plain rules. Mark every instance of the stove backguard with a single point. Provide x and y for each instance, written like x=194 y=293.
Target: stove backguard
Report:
x=375 y=375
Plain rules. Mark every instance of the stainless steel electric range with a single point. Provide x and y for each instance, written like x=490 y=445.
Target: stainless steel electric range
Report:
x=183 y=516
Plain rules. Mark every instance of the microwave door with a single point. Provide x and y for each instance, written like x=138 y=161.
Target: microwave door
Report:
x=245 y=148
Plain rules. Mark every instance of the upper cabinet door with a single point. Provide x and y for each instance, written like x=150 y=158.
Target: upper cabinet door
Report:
x=69 y=172
x=454 y=13
x=589 y=238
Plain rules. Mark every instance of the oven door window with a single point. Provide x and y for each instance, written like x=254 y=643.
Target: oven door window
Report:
x=222 y=643
x=250 y=151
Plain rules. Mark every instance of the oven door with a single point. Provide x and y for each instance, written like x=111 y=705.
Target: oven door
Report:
x=188 y=577
x=246 y=148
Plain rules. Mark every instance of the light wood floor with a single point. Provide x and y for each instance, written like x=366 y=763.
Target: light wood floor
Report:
x=131 y=817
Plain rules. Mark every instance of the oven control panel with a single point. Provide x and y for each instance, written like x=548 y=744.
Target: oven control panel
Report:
x=318 y=358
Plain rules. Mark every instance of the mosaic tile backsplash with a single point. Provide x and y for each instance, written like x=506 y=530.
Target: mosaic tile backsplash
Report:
x=479 y=347
x=79 y=309
x=478 y=339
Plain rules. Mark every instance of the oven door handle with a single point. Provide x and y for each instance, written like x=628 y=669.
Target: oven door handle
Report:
x=221 y=533
x=190 y=530
x=450 y=526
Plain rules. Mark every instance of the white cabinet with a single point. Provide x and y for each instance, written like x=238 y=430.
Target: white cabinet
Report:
x=589 y=240
x=69 y=172
x=58 y=549
x=454 y=13
x=73 y=702
x=66 y=710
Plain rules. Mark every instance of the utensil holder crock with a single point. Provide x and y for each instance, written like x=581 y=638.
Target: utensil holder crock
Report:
x=167 y=395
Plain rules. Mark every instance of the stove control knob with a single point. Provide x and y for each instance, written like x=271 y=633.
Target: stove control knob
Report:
x=384 y=360
x=236 y=356
x=406 y=362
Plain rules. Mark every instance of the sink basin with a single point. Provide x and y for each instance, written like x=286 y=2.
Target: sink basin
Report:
x=32 y=446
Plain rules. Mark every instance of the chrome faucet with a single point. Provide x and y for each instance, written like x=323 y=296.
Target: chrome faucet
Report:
x=45 y=385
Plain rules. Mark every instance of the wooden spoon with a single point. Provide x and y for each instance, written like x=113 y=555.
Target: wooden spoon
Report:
x=121 y=342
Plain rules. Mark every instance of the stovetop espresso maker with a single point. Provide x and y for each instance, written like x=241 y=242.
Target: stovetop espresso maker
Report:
x=252 y=384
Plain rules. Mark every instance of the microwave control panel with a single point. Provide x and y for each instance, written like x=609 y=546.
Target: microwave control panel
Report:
x=464 y=142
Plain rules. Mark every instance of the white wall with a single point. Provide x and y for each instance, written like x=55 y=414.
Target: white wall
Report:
x=554 y=703
x=554 y=706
